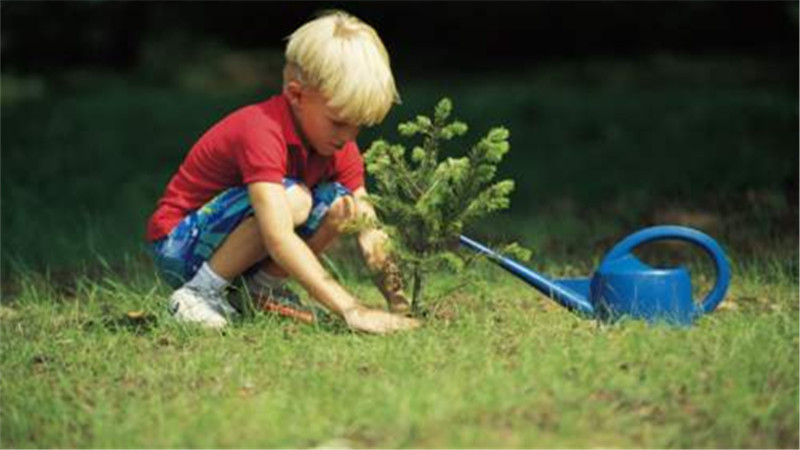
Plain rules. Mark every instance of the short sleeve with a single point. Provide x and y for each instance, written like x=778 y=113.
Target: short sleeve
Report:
x=261 y=154
x=349 y=168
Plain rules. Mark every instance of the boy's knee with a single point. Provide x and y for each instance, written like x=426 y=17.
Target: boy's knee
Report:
x=300 y=203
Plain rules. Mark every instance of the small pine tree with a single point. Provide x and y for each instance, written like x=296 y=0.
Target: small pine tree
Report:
x=424 y=204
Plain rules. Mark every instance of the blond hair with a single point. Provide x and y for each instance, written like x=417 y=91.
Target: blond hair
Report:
x=346 y=61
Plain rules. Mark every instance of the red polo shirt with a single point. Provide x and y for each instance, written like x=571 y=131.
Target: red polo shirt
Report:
x=255 y=143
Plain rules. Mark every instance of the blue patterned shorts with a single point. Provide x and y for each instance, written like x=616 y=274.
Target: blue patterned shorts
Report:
x=179 y=255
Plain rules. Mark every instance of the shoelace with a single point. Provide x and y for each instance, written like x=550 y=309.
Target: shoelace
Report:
x=218 y=302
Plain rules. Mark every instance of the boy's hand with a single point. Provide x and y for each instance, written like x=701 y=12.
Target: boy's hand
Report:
x=361 y=318
x=372 y=242
x=390 y=283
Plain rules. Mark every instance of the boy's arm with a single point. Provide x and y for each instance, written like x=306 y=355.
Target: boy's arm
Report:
x=296 y=258
x=373 y=243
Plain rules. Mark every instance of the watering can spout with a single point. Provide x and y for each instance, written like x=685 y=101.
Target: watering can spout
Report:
x=572 y=294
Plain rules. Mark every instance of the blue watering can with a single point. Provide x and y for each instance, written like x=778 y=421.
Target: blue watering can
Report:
x=623 y=285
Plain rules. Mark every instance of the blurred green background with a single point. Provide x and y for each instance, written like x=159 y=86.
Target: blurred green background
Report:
x=622 y=115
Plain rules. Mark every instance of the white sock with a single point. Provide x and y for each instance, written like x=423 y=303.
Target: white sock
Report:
x=206 y=280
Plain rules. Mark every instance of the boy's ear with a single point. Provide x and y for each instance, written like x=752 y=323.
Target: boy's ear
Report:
x=293 y=91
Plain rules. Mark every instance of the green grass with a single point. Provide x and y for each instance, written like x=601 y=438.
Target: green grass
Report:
x=500 y=367
x=599 y=150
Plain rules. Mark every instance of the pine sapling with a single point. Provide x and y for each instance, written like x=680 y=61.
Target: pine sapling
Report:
x=424 y=203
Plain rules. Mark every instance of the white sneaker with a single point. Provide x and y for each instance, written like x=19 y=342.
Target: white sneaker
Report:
x=208 y=309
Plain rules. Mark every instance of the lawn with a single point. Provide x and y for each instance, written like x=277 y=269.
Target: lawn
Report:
x=90 y=358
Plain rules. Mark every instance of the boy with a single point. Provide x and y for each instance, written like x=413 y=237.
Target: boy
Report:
x=291 y=161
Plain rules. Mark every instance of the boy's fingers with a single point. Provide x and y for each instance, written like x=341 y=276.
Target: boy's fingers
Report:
x=379 y=322
x=399 y=305
x=410 y=324
x=349 y=206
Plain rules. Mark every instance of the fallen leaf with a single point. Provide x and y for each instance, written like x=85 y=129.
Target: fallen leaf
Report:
x=7 y=313
x=136 y=315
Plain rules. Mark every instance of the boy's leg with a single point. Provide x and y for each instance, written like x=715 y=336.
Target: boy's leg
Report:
x=224 y=231
x=331 y=206
x=342 y=209
x=243 y=247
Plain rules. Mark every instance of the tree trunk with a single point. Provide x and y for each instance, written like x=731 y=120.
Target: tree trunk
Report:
x=416 y=294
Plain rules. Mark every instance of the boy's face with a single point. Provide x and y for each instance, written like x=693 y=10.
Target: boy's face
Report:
x=322 y=127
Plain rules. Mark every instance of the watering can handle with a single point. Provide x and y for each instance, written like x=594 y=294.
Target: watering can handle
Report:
x=664 y=232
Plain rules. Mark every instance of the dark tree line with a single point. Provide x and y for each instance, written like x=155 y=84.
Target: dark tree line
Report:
x=47 y=35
